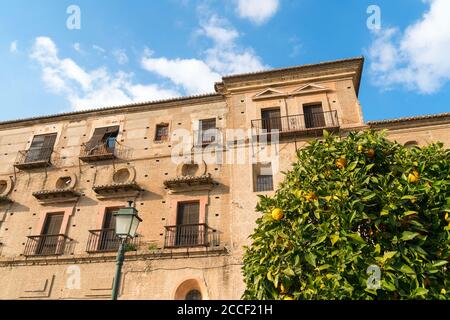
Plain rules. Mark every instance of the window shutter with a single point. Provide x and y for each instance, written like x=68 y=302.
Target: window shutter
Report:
x=97 y=137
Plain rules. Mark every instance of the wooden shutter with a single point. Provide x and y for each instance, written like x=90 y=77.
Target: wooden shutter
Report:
x=271 y=119
x=188 y=213
x=314 y=117
x=53 y=224
x=109 y=221
x=96 y=138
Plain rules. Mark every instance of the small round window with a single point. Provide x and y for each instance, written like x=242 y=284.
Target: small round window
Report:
x=121 y=176
x=194 y=295
x=63 y=183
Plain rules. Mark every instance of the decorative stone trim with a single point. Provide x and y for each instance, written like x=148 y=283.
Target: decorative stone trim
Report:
x=187 y=181
x=116 y=190
x=57 y=195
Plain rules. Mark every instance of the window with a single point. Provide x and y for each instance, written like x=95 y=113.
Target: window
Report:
x=207 y=133
x=271 y=119
x=108 y=240
x=194 y=295
x=314 y=116
x=49 y=241
x=162 y=132
x=41 y=148
x=103 y=138
x=188 y=219
x=263 y=177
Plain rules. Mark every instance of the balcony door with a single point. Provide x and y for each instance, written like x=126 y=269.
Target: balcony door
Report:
x=41 y=148
x=49 y=242
x=207 y=132
x=108 y=240
x=271 y=119
x=103 y=140
x=188 y=219
x=314 y=116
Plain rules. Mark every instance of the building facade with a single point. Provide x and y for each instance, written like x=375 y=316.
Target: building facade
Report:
x=193 y=167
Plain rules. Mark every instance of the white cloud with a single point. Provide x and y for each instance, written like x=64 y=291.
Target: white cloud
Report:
x=86 y=89
x=121 y=56
x=13 y=47
x=77 y=47
x=193 y=75
x=257 y=11
x=418 y=58
x=98 y=49
x=224 y=57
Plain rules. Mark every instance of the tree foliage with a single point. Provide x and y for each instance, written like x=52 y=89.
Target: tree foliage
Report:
x=350 y=203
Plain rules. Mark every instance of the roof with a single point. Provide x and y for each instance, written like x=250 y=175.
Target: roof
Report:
x=300 y=68
x=443 y=116
x=245 y=76
x=114 y=108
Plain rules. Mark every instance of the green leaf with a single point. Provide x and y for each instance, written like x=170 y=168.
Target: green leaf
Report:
x=408 y=235
x=406 y=269
x=334 y=238
x=389 y=255
x=289 y=272
x=440 y=263
x=352 y=166
x=324 y=267
x=369 y=197
x=311 y=259
x=408 y=213
x=356 y=237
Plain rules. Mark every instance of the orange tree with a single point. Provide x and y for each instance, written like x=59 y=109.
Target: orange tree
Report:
x=348 y=206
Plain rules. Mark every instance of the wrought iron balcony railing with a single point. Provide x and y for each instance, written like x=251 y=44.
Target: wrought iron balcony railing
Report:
x=34 y=158
x=204 y=138
x=191 y=235
x=103 y=150
x=297 y=124
x=46 y=245
x=105 y=240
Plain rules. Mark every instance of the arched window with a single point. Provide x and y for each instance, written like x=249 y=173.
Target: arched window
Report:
x=189 y=290
x=194 y=295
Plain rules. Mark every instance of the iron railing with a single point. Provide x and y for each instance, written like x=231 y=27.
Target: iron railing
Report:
x=46 y=245
x=105 y=240
x=35 y=157
x=191 y=235
x=296 y=123
x=100 y=151
x=204 y=138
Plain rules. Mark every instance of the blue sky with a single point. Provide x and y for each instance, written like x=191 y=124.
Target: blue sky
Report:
x=145 y=50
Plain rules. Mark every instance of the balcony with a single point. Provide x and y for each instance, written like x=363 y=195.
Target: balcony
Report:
x=33 y=158
x=46 y=245
x=205 y=138
x=300 y=124
x=191 y=235
x=103 y=150
x=56 y=196
x=105 y=240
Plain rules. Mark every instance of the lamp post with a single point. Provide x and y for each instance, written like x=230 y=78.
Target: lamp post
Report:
x=127 y=222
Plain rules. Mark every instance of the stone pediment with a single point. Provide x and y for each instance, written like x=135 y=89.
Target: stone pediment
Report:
x=309 y=88
x=269 y=93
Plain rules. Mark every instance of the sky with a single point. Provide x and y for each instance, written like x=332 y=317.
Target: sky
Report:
x=60 y=56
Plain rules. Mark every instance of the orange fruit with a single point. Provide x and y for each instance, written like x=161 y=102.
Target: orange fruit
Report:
x=277 y=214
x=341 y=163
x=413 y=177
x=371 y=153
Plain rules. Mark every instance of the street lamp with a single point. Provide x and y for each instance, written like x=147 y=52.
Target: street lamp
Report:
x=127 y=222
